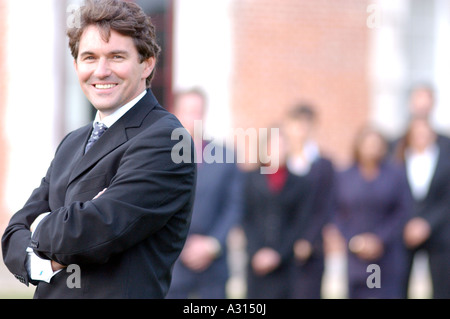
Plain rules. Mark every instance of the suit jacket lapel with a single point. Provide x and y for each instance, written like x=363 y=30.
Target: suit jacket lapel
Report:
x=115 y=136
x=437 y=173
x=81 y=140
x=110 y=140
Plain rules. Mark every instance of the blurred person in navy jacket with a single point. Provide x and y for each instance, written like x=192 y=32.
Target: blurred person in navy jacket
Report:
x=373 y=204
x=273 y=203
x=425 y=159
x=305 y=159
x=201 y=271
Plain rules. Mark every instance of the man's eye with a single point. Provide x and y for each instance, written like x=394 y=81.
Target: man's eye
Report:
x=118 y=57
x=89 y=58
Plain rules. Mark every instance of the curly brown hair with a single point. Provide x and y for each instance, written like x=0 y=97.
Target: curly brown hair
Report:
x=126 y=18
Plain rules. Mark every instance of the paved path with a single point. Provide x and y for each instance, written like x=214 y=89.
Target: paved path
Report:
x=334 y=280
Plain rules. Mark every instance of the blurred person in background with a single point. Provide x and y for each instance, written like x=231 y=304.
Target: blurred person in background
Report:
x=421 y=104
x=427 y=165
x=202 y=268
x=421 y=101
x=273 y=203
x=372 y=205
x=304 y=159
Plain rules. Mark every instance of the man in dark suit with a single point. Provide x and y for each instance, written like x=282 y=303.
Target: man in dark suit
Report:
x=202 y=269
x=113 y=201
x=421 y=104
x=306 y=159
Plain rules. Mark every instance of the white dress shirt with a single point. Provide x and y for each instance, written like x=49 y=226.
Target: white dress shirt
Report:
x=41 y=269
x=112 y=118
x=420 y=169
x=301 y=165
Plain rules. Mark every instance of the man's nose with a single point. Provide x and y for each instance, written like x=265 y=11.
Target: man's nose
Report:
x=103 y=69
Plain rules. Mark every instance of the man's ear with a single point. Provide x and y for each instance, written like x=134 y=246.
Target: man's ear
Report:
x=149 y=65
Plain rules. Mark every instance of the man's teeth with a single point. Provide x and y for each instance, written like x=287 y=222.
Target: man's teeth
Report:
x=104 y=86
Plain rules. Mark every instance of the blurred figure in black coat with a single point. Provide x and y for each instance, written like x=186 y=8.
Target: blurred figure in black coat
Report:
x=273 y=203
x=305 y=159
x=425 y=158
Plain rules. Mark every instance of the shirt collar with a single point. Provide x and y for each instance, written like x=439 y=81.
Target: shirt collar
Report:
x=114 y=117
x=432 y=152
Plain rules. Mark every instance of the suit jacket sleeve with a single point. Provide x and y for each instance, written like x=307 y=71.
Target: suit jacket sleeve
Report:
x=17 y=235
x=390 y=229
x=250 y=222
x=436 y=209
x=321 y=203
x=232 y=209
x=146 y=192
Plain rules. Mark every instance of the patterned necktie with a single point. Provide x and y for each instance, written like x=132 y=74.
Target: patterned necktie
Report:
x=99 y=129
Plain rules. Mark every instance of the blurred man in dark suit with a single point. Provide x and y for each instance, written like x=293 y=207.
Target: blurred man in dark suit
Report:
x=113 y=201
x=421 y=105
x=202 y=269
x=306 y=159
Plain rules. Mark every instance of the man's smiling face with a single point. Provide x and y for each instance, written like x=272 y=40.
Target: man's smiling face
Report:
x=110 y=73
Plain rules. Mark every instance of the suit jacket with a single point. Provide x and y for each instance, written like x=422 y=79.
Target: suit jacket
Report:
x=435 y=206
x=322 y=179
x=217 y=209
x=126 y=241
x=218 y=200
x=380 y=206
x=271 y=218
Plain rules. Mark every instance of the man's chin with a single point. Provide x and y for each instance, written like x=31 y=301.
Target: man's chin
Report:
x=103 y=103
x=104 y=108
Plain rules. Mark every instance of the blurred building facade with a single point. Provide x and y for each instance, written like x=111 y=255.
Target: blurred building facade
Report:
x=289 y=51
x=356 y=60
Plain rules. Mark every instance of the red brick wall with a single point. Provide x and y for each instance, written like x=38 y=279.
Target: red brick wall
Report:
x=3 y=92
x=314 y=50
